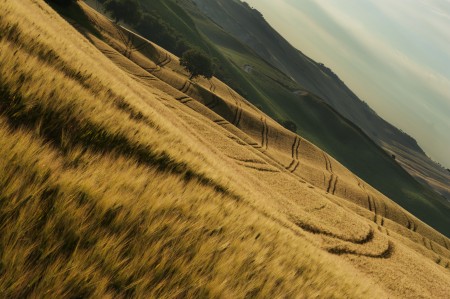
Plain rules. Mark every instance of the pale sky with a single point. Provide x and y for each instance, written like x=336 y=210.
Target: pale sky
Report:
x=394 y=54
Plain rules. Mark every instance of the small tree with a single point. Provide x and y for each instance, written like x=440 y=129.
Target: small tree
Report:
x=128 y=11
x=197 y=64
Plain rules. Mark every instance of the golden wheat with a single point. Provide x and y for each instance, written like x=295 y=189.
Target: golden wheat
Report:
x=117 y=181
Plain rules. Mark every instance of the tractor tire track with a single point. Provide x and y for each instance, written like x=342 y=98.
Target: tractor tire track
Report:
x=374 y=205
x=146 y=77
x=361 y=186
x=431 y=245
x=264 y=134
x=297 y=150
x=294 y=146
x=238 y=114
x=121 y=34
x=408 y=225
x=221 y=122
x=428 y=244
x=237 y=140
x=378 y=220
x=214 y=102
x=165 y=60
x=261 y=165
x=107 y=51
x=267 y=133
x=123 y=38
x=335 y=184
x=369 y=203
x=445 y=243
x=184 y=99
x=438 y=260
x=261 y=162
x=424 y=241
x=387 y=253
x=328 y=165
x=128 y=39
x=332 y=182
x=212 y=86
x=314 y=230
x=239 y=109
x=294 y=154
x=141 y=46
x=296 y=166
x=414 y=225
x=153 y=69
x=411 y=224
x=259 y=168
x=128 y=42
x=185 y=87
x=290 y=165
x=326 y=161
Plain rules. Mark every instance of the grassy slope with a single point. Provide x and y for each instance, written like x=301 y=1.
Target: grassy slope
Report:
x=183 y=23
x=315 y=120
x=248 y=26
x=79 y=215
x=121 y=186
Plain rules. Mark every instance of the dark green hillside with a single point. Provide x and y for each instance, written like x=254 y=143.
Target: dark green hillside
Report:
x=250 y=27
x=184 y=25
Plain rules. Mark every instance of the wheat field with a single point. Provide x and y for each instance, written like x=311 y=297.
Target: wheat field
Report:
x=121 y=178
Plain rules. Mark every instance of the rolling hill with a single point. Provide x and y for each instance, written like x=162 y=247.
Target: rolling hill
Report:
x=119 y=177
x=249 y=27
x=281 y=97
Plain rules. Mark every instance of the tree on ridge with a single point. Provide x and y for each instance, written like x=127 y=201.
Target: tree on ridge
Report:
x=128 y=11
x=197 y=64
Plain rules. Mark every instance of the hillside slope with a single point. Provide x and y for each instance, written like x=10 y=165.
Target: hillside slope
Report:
x=249 y=27
x=282 y=98
x=119 y=177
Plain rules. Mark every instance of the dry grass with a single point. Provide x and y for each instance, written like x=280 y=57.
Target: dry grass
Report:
x=112 y=227
x=119 y=178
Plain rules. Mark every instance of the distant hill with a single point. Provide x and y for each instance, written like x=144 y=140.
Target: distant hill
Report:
x=249 y=26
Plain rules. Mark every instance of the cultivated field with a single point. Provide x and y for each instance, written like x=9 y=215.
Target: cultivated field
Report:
x=119 y=177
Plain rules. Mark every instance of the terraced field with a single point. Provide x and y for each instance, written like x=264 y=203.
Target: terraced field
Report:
x=119 y=177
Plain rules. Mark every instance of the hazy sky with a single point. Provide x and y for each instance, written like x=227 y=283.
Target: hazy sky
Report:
x=394 y=54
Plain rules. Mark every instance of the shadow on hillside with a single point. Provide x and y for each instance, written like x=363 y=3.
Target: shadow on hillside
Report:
x=73 y=11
